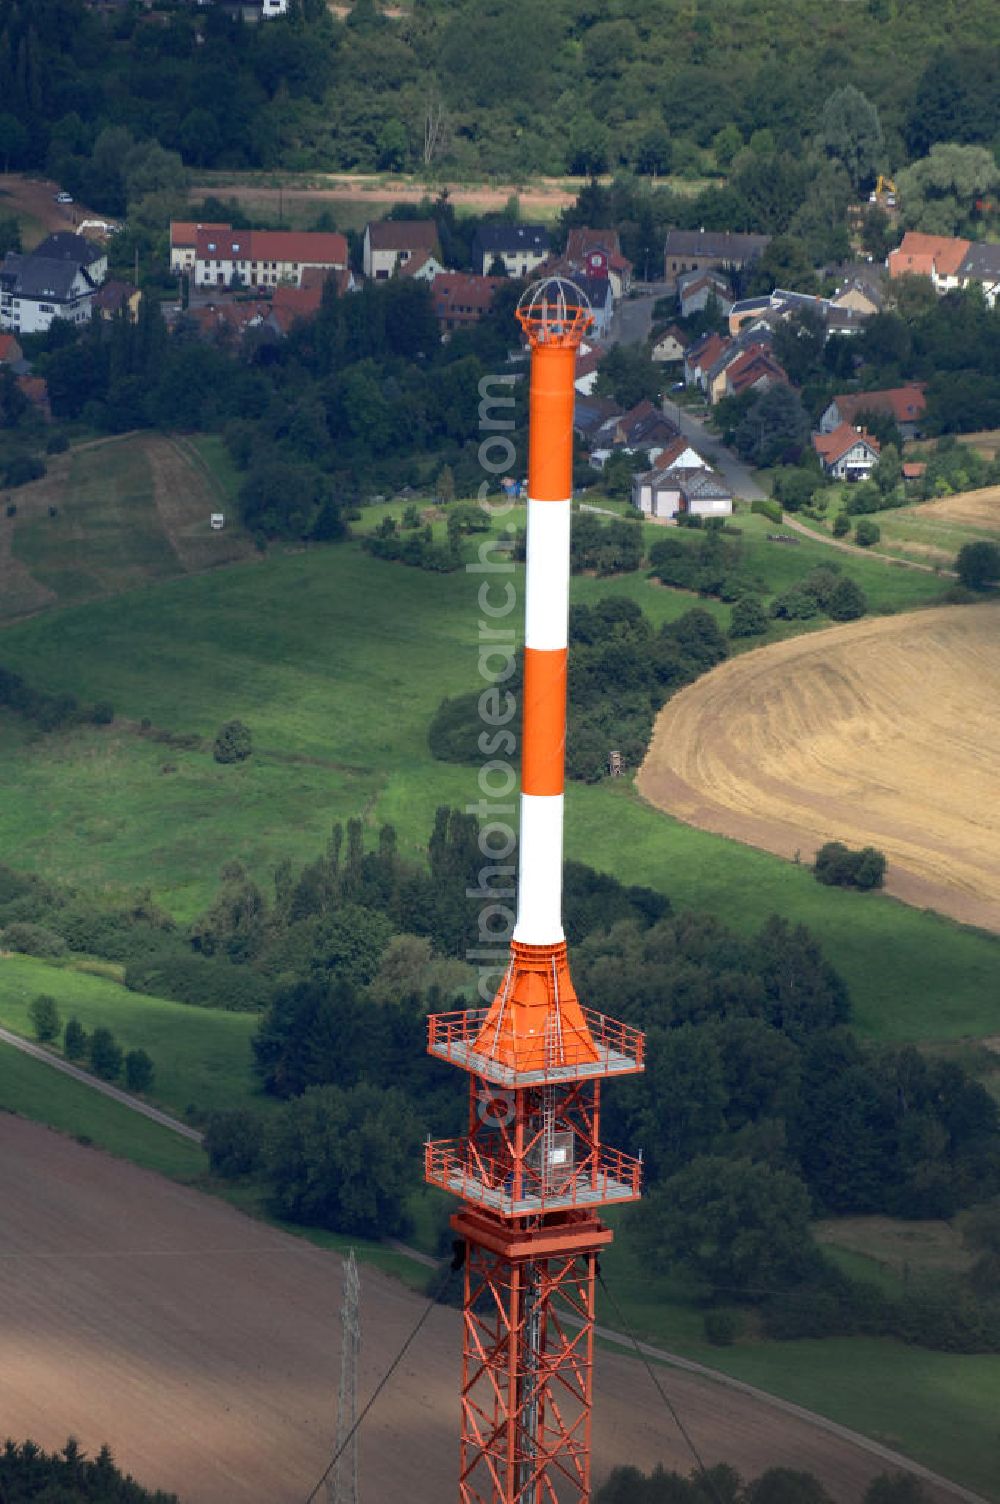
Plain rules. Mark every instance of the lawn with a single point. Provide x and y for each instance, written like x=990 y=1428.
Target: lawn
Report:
x=201 y=1056
x=33 y=1090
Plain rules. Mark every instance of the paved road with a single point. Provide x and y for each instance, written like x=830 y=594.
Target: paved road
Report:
x=725 y=461
x=633 y=320
x=164 y=1119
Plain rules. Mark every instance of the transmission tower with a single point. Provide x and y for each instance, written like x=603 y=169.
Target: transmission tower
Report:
x=531 y=1171
x=342 y=1486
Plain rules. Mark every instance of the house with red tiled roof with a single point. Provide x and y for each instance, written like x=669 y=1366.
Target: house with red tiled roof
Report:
x=589 y=357
x=905 y=404
x=679 y=454
x=939 y=257
x=701 y=355
x=36 y=389
x=461 y=299
x=184 y=240
x=390 y=243
x=847 y=453
x=755 y=370
x=264 y=258
x=10 y=350
x=914 y=469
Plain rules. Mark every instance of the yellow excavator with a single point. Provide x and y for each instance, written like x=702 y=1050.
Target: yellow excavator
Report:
x=884 y=193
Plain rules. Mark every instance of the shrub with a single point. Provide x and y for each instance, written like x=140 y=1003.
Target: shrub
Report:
x=74 y=1040
x=233 y=743
x=234 y=1142
x=862 y=498
x=767 y=508
x=22 y=469
x=33 y=939
x=797 y=604
x=44 y=1015
x=105 y=1055
x=748 y=619
x=978 y=565
x=138 y=1071
x=721 y=1328
x=841 y=525
x=56 y=443
x=103 y=713
x=866 y=533
x=847 y=601
x=838 y=867
x=12 y=509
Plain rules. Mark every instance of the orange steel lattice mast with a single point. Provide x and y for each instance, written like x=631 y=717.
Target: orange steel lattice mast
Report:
x=531 y=1170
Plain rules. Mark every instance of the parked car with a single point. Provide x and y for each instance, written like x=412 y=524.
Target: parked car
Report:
x=62 y=197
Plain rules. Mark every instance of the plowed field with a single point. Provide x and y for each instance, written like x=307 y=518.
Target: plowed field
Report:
x=204 y=1348
x=881 y=732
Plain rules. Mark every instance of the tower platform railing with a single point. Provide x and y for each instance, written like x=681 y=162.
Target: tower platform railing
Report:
x=454 y=1037
x=495 y=1182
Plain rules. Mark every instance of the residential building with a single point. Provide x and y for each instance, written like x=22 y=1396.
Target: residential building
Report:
x=253 y=11
x=698 y=250
x=755 y=370
x=702 y=354
x=74 y=249
x=591 y=414
x=184 y=242
x=695 y=290
x=390 y=243
x=461 y=299
x=598 y=253
x=588 y=359
x=905 y=404
x=642 y=428
x=35 y=290
x=420 y=268
x=939 y=257
x=859 y=295
x=519 y=247
x=847 y=453
x=680 y=455
x=697 y=491
x=264 y=258
x=982 y=264
x=111 y=297
x=669 y=345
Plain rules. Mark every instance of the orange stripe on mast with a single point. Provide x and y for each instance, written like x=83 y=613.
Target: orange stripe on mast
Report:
x=543 y=751
x=550 y=447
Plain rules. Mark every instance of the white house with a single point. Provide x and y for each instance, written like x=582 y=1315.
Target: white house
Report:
x=184 y=243
x=264 y=258
x=847 y=453
x=696 y=491
x=670 y=345
x=390 y=243
x=520 y=247
x=34 y=290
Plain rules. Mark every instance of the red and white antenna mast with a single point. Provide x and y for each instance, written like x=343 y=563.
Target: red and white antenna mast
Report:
x=531 y=1171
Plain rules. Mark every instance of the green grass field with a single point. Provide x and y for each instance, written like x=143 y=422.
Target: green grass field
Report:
x=921 y=537
x=338 y=698
x=201 y=1056
x=33 y=1090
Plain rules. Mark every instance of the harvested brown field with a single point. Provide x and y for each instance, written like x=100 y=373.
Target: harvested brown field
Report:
x=881 y=732
x=204 y=1348
x=980 y=509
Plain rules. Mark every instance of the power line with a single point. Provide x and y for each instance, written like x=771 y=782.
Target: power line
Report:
x=706 y=1476
x=345 y=1443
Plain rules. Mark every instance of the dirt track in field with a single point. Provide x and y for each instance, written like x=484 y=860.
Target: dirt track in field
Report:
x=970 y=508
x=204 y=1348
x=881 y=732
x=35 y=197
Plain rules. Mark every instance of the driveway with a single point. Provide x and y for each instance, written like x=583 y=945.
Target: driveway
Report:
x=733 y=470
x=633 y=318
